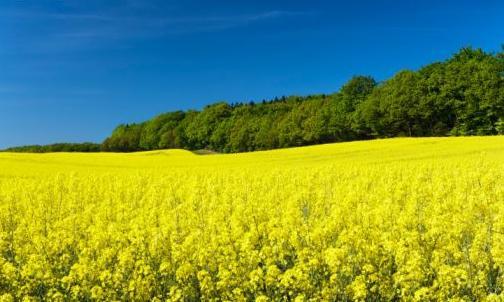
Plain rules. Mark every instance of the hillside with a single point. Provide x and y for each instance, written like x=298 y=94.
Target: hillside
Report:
x=384 y=220
x=382 y=151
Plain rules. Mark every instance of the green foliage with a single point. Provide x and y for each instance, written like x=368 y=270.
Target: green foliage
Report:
x=161 y=131
x=463 y=95
x=499 y=126
x=62 y=147
x=125 y=138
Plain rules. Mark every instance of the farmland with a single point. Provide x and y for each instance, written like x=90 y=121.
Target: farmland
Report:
x=413 y=219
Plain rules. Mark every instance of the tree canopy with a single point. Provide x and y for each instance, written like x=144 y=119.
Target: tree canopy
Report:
x=61 y=147
x=463 y=95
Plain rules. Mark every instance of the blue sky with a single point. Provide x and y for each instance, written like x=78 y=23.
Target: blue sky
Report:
x=71 y=70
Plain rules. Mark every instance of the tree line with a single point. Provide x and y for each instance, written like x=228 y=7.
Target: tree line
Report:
x=60 y=147
x=463 y=95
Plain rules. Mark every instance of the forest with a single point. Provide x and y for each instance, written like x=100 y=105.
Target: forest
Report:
x=59 y=147
x=461 y=96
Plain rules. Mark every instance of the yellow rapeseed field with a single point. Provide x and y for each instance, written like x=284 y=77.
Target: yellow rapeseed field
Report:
x=384 y=220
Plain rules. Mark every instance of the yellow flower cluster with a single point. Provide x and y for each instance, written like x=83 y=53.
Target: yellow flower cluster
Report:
x=386 y=220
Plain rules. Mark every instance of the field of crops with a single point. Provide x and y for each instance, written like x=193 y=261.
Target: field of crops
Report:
x=399 y=219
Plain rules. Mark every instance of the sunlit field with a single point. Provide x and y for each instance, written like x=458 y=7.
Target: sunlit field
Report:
x=399 y=219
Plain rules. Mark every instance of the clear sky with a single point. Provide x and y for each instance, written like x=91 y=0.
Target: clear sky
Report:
x=71 y=70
